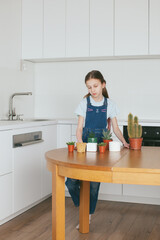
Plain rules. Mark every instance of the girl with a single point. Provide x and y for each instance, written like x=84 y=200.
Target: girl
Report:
x=93 y=112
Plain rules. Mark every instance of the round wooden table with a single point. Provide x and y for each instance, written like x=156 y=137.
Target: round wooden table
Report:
x=126 y=166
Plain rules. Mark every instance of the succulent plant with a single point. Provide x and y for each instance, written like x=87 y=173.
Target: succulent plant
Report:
x=101 y=144
x=107 y=134
x=134 y=128
x=91 y=134
x=70 y=143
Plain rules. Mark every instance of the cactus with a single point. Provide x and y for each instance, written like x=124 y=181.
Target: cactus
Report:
x=134 y=129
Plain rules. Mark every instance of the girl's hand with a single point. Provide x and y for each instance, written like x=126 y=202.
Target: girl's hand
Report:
x=126 y=145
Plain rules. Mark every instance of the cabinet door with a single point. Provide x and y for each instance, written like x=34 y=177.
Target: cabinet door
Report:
x=50 y=142
x=6 y=199
x=27 y=175
x=101 y=27
x=5 y=152
x=131 y=27
x=63 y=135
x=154 y=42
x=77 y=28
x=27 y=169
x=32 y=28
x=54 y=28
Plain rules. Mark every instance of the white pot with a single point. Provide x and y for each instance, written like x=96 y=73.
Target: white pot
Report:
x=91 y=147
x=114 y=146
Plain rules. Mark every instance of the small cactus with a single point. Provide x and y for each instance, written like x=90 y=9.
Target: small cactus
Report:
x=134 y=129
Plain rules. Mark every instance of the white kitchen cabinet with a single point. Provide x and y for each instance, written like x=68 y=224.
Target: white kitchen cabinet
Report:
x=63 y=135
x=49 y=134
x=77 y=28
x=131 y=27
x=6 y=199
x=54 y=28
x=27 y=172
x=154 y=27
x=101 y=27
x=73 y=133
x=141 y=191
x=5 y=152
x=32 y=29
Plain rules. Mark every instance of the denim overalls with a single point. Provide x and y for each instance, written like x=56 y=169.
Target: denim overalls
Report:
x=96 y=121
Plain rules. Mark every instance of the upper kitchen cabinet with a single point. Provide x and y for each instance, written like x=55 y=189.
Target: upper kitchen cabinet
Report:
x=54 y=28
x=154 y=27
x=32 y=29
x=131 y=27
x=77 y=28
x=101 y=27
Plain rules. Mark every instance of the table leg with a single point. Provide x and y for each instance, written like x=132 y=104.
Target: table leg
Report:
x=84 y=207
x=58 y=205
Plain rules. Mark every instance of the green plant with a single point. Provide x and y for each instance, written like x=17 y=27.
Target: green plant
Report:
x=107 y=134
x=91 y=135
x=134 y=128
x=101 y=144
x=70 y=143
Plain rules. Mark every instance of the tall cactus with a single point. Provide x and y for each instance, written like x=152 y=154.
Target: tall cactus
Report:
x=134 y=129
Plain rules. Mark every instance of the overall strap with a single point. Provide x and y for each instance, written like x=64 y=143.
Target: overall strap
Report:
x=105 y=101
x=88 y=101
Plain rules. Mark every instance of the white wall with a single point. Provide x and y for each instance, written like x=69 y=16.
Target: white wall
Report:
x=133 y=84
x=12 y=79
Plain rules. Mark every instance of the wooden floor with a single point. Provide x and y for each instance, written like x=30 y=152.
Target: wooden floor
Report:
x=111 y=221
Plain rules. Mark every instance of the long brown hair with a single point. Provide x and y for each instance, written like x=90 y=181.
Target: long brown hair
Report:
x=96 y=75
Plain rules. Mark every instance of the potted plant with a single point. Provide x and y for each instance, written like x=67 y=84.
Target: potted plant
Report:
x=107 y=137
x=70 y=146
x=92 y=138
x=81 y=146
x=134 y=132
x=102 y=147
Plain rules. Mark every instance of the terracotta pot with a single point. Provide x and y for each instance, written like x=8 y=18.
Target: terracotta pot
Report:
x=102 y=149
x=81 y=147
x=107 y=142
x=70 y=148
x=135 y=143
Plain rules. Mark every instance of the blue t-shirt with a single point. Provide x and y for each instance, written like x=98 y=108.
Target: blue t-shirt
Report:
x=112 y=109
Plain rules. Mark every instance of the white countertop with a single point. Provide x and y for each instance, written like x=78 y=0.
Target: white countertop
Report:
x=7 y=125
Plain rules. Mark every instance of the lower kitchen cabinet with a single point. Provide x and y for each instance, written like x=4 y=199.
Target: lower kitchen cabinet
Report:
x=5 y=152
x=27 y=175
x=6 y=199
x=32 y=180
x=49 y=134
x=63 y=135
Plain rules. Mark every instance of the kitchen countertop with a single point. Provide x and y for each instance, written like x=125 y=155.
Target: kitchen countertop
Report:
x=8 y=125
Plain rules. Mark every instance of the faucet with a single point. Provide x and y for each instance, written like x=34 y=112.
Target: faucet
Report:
x=12 y=113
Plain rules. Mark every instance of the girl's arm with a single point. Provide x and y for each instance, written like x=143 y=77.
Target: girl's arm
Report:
x=79 y=129
x=118 y=132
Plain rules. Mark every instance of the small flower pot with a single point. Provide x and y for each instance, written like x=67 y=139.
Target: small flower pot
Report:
x=135 y=143
x=91 y=147
x=81 y=147
x=107 y=143
x=70 y=148
x=102 y=149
